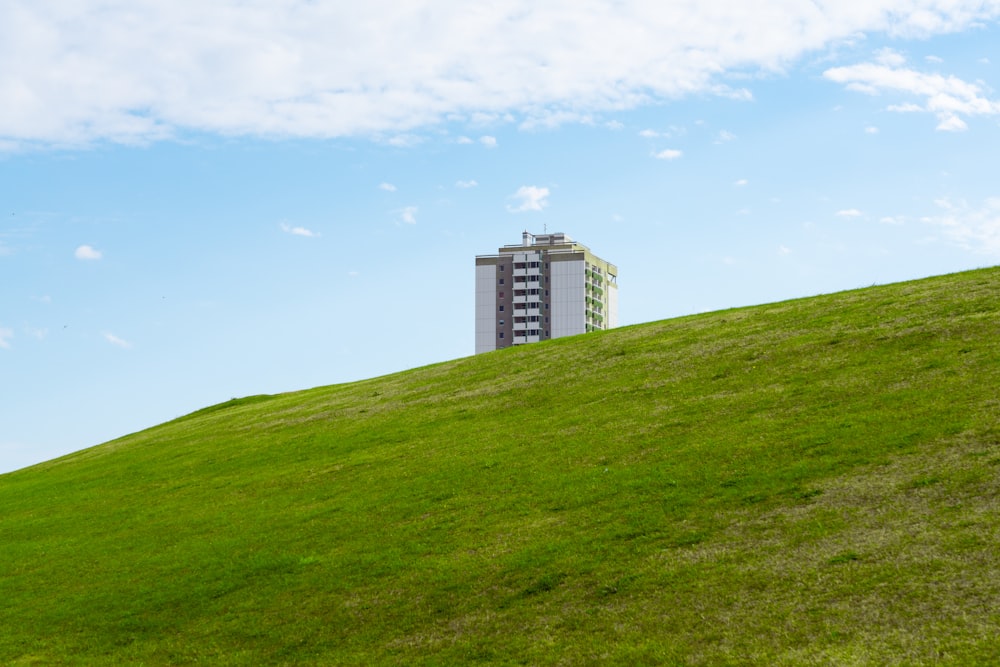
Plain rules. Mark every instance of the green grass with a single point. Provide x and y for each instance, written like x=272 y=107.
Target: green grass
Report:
x=808 y=482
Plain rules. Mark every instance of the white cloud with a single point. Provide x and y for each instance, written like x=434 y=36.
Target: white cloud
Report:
x=614 y=125
x=891 y=220
x=889 y=57
x=488 y=141
x=952 y=123
x=79 y=72
x=648 y=134
x=118 y=342
x=947 y=97
x=849 y=213
x=86 y=252
x=5 y=336
x=529 y=198
x=466 y=184
x=936 y=60
x=871 y=129
x=298 y=231
x=39 y=333
x=465 y=140
x=668 y=154
x=388 y=187
x=725 y=136
x=784 y=250
x=741 y=183
x=408 y=214
x=404 y=140
x=974 y=228
x=353 y=274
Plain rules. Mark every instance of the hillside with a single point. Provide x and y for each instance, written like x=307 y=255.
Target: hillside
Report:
x=808 y=482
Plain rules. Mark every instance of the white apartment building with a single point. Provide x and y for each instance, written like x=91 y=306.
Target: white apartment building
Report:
x=548 y=286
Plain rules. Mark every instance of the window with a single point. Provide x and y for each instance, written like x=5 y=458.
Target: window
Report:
x=500 y=335
x=500 y=296
x=501 y=307
x=501 y=322
x=501 y=281
x=502 y=267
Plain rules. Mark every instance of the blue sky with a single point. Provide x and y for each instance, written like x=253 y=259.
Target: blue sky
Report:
x=206 y=200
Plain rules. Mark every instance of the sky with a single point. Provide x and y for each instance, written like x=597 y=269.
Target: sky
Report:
x=209 y=199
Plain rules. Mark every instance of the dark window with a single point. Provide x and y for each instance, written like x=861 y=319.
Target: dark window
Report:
x=501 y=307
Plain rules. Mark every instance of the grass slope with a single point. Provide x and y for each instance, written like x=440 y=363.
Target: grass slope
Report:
x=808 y=482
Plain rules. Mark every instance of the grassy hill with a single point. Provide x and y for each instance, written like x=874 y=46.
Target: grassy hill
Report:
x=808 y=482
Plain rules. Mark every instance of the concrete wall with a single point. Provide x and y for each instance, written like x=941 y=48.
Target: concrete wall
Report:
x=486 y=308
x=568 y=298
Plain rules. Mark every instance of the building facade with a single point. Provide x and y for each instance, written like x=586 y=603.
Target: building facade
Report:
x=546 y=287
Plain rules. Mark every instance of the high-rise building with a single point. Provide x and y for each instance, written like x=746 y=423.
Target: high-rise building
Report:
x=547 y=286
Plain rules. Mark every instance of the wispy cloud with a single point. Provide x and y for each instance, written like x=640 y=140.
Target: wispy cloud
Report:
x=84 y=73
x=5 y=336
x=388 y=187
x=404 y=140
x=974 y=228
x=529 y=198
x=668 y=154
x=465 y=185
x=408 y=214
x=117 y=342
x=849 y=213
x=87 y=253
x=298 y=231
x=488 y=141
x=947 y=97
x=741 y=183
